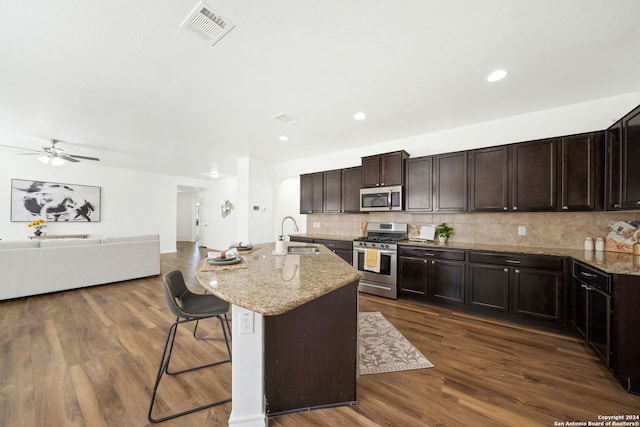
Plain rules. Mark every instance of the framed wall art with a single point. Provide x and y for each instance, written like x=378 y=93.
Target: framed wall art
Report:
x=54 y=201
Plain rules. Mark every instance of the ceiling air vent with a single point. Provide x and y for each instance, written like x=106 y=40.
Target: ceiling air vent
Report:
x=204 y=21
x=287 y=120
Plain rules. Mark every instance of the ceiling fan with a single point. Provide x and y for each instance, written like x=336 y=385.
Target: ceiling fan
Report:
x=54 y=155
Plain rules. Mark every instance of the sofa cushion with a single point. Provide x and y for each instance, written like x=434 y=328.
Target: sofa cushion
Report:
x=52 y=243
x=124 y=239
x=19 y=244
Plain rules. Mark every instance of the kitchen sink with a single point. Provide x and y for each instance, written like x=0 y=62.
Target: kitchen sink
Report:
x=298 y=250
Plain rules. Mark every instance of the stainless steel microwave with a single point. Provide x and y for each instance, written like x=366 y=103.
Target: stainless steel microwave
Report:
x=381 y=199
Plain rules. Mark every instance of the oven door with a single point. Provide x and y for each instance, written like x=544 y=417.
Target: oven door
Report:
x=388 y=267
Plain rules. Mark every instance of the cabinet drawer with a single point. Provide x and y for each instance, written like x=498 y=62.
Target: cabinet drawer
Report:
x=428 y=253
x=592 y=277
x=531 y=261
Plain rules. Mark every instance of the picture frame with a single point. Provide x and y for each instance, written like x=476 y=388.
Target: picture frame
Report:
x=54 y=201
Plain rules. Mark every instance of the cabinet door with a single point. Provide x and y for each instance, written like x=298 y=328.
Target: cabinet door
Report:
x=391 y=169
x=581 y=171
x=351 y=184
x=418 y=190
x=332 y=202
x=306 y=194
x=537 y=293
x=580 y=308
x=489 y=287
x=631 y=154
x=534 y=175
x=413 y=276
x=317 y=182
x=450 y=182
x=613 y=173
x=488 y=180
x=447 y=281
x=371 y=171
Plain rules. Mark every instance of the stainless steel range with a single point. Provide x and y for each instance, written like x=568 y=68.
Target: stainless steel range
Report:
x=376 y=257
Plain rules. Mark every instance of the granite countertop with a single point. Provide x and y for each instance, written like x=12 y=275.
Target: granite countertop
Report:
x=324 y=236
x=274 y=284
x=609 y=262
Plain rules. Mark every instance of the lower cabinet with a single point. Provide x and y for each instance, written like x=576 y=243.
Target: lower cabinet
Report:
x=435 y=274
x=528 y=288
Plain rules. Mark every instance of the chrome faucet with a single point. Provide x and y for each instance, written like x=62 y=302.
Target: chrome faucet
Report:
x=295 y=224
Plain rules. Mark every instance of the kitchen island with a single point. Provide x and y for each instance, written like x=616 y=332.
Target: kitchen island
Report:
x=294 y=332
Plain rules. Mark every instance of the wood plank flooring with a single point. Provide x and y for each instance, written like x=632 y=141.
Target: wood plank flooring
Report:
x=88 y=358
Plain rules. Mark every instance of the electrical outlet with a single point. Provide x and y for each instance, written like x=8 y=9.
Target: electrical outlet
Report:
x=522 y=230
x=246 y=322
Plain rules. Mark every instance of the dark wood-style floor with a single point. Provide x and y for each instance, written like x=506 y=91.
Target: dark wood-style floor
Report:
x=88 y=358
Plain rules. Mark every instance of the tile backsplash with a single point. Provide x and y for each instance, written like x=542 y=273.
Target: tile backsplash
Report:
x=543 y=229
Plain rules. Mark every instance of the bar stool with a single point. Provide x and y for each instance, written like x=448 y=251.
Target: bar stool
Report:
x=188 y=307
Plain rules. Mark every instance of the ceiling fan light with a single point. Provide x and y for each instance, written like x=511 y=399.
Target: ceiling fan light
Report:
x=57 y=161
x=44 y=159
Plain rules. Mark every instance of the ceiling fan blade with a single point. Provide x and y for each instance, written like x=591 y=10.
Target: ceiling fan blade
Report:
x=20 y=148
x=67 y=158
x=83 y=157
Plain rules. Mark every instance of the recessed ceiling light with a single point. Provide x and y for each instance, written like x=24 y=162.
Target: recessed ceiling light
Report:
x=360 y=116
x=497 y=75
x=283 y=138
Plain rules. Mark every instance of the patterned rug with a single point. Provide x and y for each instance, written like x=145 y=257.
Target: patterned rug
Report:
x=384 y=349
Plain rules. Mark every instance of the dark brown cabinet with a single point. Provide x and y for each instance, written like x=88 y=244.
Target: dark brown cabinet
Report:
x=419 y=184
x=351 y=184
x=622 y=175
x=383 y=170
x=582 y=172
x=438 y=275
x=436 y=183
x=489 y=179
x=342 y=248
x=521 y=287
x=631 y=154
x=533 y=176
x=311 y=193
x=332 y=200
x=516 y=177
x=450 y=182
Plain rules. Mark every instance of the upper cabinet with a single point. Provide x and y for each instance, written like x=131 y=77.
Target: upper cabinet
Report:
x=342 y=190
x=533 y=179
x=488 y=179
x=582 y=172
x=630 y=151
x=311 y=193
x=383 y=169
x=514 y=177
x=436 y=183
x=450 y=182
x=622 y=178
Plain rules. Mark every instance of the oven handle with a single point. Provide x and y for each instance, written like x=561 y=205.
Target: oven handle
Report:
x=381 y=251
x=371 y=285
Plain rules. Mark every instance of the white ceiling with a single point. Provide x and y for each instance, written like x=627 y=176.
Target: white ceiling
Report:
x=121 y=80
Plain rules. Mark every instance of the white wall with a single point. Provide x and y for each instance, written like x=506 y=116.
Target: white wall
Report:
x=221 y=231
x=576 y=118
x=132 y=202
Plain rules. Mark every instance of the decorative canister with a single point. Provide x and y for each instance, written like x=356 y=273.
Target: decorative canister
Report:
x=636 y=249
x=588 y=244
x=599 y=244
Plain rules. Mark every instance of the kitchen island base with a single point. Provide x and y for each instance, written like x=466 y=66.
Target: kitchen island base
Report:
x=311 y=354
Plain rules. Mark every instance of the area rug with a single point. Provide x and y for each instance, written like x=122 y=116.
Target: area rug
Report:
x=384 y=349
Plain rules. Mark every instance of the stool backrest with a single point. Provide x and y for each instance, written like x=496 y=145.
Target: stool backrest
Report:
x=174 y=290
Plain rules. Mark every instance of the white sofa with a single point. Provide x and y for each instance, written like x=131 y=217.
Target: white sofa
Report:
x=31 y=267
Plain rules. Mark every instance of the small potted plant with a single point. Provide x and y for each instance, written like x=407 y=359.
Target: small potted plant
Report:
x=443 y=231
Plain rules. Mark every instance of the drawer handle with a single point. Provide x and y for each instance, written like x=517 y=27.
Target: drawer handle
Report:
x=428 y=254
x=513 y=261
x=585 y=274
